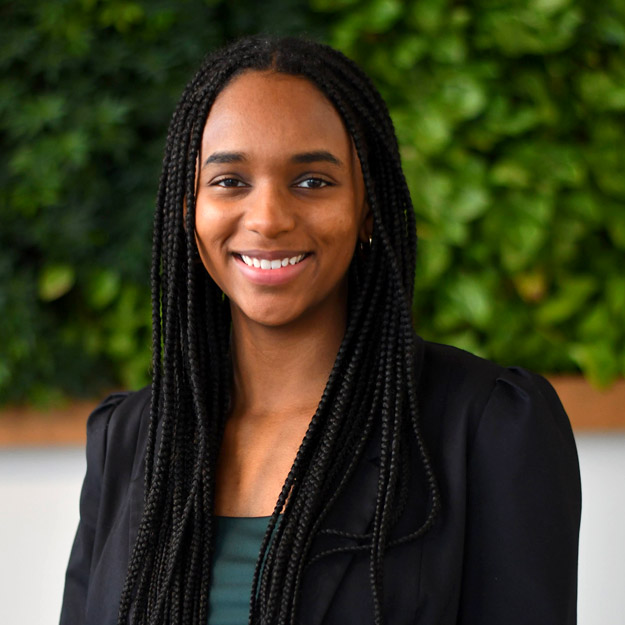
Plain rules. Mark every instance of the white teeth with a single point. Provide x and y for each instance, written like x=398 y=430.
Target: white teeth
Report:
x=263 y=263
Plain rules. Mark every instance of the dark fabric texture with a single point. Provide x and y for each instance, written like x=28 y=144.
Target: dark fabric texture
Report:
x=503 y=551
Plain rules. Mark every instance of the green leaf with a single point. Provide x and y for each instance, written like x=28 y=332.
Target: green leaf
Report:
x=452 y=48
x=56 y=280
x=615 y=297
x=598 y=360
x=102 y=288
x=451 y=232
x=409 y=50
x=531 y=285
x=381 y=14
x=461 y=97
x=569 y=299
x=469 y=300
x=469 y=341
x=432 y=191
x=598 y=324
x=585 y=205
x=602 y=91
x=607 y=161
x=428 y=16
x=431 y=130
x=518 y=226
x=505 y=117
x=470 y=202
x=615 y=223
x=510 y=173
x=434 y=257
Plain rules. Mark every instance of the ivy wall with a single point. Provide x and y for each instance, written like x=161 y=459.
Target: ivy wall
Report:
x=511 y=118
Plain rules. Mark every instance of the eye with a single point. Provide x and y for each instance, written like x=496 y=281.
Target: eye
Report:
x=228 y=183
x=313 y=183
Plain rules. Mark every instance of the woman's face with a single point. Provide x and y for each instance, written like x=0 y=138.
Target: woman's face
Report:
x=281 y=200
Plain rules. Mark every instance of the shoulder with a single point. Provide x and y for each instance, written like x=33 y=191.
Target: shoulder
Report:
x=505 y=459
x=456 y=367
x=115 y=429
x=500 y=432
x=459 y=367
x=119 y=411
x=458 y=386
x=448 y=375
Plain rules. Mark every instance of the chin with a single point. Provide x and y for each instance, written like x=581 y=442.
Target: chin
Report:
x=270 y=316
x=272 y=319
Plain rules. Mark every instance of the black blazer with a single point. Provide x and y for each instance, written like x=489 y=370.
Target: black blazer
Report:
x=503 y=551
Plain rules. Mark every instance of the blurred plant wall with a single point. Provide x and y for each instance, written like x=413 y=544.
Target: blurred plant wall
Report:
x=511 y=120
x=87 y=89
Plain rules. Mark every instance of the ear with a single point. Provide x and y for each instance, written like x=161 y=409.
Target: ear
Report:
x=366 y=226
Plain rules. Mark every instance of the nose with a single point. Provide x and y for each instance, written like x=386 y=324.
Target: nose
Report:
x=269 y=211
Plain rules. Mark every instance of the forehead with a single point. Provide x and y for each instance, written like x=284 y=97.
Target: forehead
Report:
x=268 y=111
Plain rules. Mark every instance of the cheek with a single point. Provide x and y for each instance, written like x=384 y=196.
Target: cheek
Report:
x=211 y=227
x=340 y=231
x=210 y=234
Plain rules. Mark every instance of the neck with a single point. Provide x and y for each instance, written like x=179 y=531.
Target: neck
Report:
x=282 y=371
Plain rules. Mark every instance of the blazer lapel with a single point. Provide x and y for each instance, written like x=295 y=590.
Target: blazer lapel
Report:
x=353 y=513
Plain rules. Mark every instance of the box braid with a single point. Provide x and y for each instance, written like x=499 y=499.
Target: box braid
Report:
x=371 y=391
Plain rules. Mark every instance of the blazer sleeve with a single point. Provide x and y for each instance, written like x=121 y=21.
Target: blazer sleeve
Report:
x=79 y=566
x=523 y=509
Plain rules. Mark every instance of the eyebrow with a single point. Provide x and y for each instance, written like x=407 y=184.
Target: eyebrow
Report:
x=302 y=157
x=315 y=157
x=225 y=157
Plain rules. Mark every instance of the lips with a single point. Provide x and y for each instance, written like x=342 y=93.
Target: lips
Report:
x=271 y=268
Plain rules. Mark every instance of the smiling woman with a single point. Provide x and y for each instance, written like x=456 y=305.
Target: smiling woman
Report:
x=302 y=456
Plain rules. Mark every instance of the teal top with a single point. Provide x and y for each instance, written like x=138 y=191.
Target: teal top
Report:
x=237 y=545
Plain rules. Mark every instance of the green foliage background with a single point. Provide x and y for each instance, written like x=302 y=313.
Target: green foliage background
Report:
x=511 y=119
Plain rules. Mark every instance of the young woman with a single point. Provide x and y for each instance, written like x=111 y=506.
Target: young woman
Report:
x=302 y=456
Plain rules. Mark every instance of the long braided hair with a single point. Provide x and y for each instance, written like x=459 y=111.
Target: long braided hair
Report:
x=371 y=390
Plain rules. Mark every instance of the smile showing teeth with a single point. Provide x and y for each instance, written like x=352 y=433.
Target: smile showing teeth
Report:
x=263 y=263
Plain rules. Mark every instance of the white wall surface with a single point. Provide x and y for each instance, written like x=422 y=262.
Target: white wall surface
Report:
x=39 y=491
x=602 y=539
